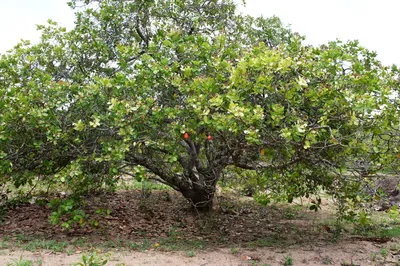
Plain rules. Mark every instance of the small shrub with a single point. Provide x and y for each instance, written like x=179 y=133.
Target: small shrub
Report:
x=20 y=262
x=191 y=253
x=93 y=260
x=288 y=261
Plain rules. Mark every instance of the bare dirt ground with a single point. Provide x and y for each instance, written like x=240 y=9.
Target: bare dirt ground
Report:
x=341 y=253
x=161 y=229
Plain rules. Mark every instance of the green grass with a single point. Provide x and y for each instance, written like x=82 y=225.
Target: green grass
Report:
x=191 y=253
x=23 y=262
x=288 y=260
x=169 y=244
x=292 y=211
x=345 y=263
x=92 y=260
x=114 y=243
x=390 y=232
x=384 y=253
x=176 y=241
x=234 y=250
x=136 y=185
x=45 y=244
x=270 y=242
x=29 y=243
x=4 y=244
x=327 y=260
x=20 y=238
x=172 y=243
x=142 y=246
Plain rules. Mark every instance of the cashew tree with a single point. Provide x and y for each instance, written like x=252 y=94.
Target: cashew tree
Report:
x=182 y=91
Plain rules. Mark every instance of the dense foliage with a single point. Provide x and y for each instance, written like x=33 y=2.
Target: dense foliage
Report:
x=186 y=91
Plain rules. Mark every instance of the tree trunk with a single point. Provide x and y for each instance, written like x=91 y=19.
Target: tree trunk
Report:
x=201 y=197
x=200 y=187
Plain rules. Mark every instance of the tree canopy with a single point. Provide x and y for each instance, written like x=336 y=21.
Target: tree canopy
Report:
x=185 y=91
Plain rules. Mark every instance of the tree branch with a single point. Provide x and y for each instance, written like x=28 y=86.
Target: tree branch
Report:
x=262 y=165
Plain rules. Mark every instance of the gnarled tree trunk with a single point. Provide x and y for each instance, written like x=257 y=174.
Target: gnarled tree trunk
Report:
x=197 y=182
x=200 y=186
x=201 y=197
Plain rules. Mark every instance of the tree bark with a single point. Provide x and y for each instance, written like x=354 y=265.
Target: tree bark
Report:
x=201 y=197
x=198 y=180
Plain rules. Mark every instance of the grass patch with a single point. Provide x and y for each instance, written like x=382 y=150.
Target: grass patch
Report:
x=288 y=260
x=187 y=245
x=264 y=242
x=21 y=238
x=172 y=243
x=24 y=262
x=144 y=185
x=191 y=253
x=45 y=244
x=92 y=260
x=4 y=244
x=142 y=246
x=391 y=230
x=292 y=211
x=114 y=243
x=234 y=251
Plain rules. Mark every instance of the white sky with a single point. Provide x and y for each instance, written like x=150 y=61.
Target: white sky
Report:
x=18 y=19
x=374 y=23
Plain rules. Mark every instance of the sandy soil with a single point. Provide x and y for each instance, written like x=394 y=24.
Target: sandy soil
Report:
x=341 y=253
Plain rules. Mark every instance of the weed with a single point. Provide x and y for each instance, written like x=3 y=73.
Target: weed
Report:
x=20 y=238
x=383 y=252
x=142 y=233
x=134 y=245
x=169 y=245
x=196 y=244
x=374 y=256
x=113 y=244
x=263 y=243
x=3 y=244
x=172 y=233
x=80 y=242
x=20 y=262
x=191 y=253
x=93 y=260
x=327 y=260
x=145 y=184
x=145 y=245
x=345 y=263
x=253 y=262
x=390 y=232
x=223 y=240
x=290 y=213
x=288 y=260
x=234 y=250
x=45 y=244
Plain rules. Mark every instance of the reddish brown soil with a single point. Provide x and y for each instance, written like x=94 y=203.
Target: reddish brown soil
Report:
x=259 y=235
x=159 y=216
